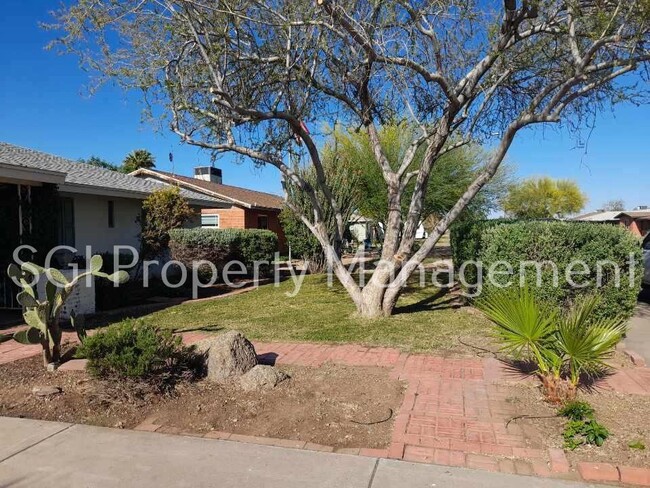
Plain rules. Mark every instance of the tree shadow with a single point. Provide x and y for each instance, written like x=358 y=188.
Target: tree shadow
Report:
x=202 y=328
x=430 y=303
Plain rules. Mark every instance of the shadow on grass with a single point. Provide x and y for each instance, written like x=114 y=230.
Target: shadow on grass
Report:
x=203 y=328
x=430 y=303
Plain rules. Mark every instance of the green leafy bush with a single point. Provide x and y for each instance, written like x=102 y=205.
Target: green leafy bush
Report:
x=163 y=210
x=219 y=246
x=134 y=349
x=579 y=432
x=577 y=411
x=564 y=243
x=466 y=241
x=582 y=428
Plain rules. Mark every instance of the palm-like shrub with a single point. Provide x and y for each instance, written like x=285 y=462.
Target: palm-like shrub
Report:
x=564 y=346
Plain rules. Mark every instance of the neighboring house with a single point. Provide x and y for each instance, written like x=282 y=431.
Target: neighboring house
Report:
x=49 y=201
x=637 y=221
x=245 y=209
x=602 y=216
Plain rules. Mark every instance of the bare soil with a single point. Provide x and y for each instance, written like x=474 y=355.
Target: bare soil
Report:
x=627 y=417
x=332 y=405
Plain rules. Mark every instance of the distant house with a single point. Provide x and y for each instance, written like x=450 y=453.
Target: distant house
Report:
x=47 y=201
x=602 y=216
x=637 y=221
x=240 y=208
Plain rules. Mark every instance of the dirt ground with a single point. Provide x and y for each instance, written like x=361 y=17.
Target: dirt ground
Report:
x=333 y=405
x=627 y=417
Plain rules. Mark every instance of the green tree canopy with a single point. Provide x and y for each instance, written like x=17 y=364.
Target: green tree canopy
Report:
x=449 y=178
x=100 y=163
x=544 y=198
x=140 y=158
x=347 y=192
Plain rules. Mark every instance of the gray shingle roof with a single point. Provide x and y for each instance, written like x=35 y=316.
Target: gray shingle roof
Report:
x=80 y=176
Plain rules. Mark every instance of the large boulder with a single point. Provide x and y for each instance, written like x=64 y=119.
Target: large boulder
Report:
x=228 y=355
x=262 y=378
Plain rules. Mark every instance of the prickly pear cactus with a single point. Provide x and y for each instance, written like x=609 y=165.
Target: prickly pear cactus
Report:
x=42 y=315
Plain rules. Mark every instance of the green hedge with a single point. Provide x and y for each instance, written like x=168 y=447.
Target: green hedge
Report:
x=564 y=243
x=222 y=245
x=465 y=239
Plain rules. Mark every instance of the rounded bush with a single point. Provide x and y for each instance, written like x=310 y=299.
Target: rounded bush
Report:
x=595 y=250
x=131 y=349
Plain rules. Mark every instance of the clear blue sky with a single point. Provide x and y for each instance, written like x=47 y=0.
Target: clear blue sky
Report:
x=43 y=106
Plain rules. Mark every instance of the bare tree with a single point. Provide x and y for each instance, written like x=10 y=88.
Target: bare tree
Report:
x=251 y=77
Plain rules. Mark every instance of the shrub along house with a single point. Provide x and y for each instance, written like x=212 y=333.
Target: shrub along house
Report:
x=246 y=209
x=49 y=201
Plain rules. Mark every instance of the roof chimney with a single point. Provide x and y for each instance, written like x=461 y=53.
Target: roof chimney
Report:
x=208 y=173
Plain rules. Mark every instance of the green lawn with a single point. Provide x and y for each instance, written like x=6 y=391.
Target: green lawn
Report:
x=425 y=319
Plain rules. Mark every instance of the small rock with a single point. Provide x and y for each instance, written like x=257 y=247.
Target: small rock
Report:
x=262 y=378
x=44 y=391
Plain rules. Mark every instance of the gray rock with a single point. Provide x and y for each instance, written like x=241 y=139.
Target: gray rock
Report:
x=228 y=355
x=262 y=378
x=44 y=391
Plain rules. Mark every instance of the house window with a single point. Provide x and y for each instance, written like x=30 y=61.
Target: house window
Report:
x=111 y=214
x=262 y=222
x=210 y=221
x=66 y=222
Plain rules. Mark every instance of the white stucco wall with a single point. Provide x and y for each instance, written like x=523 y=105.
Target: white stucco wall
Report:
x=91 y=222
x=82 y=300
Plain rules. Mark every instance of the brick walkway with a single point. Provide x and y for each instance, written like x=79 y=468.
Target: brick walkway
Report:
x=454 y=410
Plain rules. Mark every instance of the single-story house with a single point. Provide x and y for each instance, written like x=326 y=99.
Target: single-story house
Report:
x=601 y=216
x=48 y=201
x=637 y=221
x=243 y=209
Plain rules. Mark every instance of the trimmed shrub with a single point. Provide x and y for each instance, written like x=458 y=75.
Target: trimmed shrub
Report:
x=134 y=349
x=598 y=246
x=465 y=238
x=219 y=246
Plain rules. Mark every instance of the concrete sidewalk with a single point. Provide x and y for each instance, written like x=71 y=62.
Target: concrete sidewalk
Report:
x=51 y=454
x=638 y=334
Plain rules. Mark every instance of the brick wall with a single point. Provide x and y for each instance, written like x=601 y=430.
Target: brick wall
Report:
x=229 y=218
x=240 y=218
x=273 y=225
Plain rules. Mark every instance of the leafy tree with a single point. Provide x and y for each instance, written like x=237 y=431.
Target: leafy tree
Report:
x=251 y=77
x=100 y=163
x=162 y=211
x=344 y=179
x=140 y=158
x=614 y=206
x=448 y=180
x=544 y=198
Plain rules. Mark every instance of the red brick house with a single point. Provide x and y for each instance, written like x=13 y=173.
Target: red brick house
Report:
x=637 y=221
x=244 y=208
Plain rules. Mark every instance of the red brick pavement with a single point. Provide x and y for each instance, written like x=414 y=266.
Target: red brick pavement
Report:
x=454 y=411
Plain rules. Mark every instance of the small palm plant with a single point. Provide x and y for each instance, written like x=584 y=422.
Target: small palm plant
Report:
x=42 y=314
x=564 y=346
